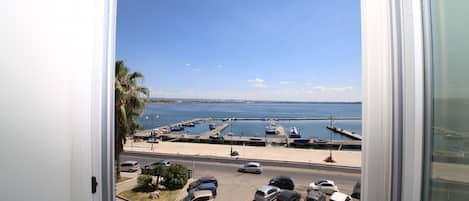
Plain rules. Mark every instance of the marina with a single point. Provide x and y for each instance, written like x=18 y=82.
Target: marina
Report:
x=275 y=134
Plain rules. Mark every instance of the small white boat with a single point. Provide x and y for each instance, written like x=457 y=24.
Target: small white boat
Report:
x=294 y=133
x=271 y=129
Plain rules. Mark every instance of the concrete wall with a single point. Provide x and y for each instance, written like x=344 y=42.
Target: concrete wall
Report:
x=51 y=61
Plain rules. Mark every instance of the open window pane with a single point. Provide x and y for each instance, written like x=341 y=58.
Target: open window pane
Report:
x=246 y=97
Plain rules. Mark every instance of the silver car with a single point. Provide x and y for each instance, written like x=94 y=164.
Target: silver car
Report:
x=266 y=193
x=129 y=166
x=251 y=167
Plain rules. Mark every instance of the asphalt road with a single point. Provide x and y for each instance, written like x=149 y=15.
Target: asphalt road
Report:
x=235 y=186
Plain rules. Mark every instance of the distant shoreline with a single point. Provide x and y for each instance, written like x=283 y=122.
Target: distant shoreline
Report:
x=210 y=101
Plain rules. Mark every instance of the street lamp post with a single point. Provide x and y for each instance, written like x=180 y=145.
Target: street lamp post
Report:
x=329 y=159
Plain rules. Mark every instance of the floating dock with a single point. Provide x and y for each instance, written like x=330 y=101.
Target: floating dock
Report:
x=345 y=132
x=285 y=118
x=215 y=131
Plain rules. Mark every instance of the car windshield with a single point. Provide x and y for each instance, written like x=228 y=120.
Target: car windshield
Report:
x=202 y=198
x=319 y=182
x=260 y=193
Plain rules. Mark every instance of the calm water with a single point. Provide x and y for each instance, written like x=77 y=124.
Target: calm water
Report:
x=157 y=115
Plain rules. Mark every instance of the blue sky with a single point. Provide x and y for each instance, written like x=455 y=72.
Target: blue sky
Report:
x=295 y=50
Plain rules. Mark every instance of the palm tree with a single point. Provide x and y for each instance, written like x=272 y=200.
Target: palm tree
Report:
x=129 y=104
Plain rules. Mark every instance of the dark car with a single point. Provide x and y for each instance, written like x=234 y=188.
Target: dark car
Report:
x=202 y=180
x=283 y=182
x=315 y=196
x=289 y=196
x=356 y=190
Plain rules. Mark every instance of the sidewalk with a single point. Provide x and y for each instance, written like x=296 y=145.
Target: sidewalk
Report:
x=342 y=158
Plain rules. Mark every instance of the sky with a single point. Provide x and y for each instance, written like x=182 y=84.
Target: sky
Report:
x=280 y=50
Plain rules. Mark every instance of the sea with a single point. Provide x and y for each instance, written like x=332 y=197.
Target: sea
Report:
x=157 y=115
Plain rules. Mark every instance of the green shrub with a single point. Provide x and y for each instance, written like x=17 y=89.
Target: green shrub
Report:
x=175 y=177
x=159 y=170
x=144 y=183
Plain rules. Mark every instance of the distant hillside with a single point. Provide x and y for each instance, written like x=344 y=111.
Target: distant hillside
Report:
x=185 y=100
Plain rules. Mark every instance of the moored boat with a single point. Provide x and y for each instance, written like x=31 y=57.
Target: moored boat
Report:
x=294 y=133
x=212 y=126
x=271 y=129
x=176 y=128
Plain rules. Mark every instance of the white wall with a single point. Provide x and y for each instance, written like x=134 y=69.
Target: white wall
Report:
x=51 y=63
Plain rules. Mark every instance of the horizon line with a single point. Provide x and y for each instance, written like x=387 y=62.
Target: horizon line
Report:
x=249 y=100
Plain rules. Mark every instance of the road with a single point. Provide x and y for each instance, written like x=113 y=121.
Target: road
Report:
x=235 y=186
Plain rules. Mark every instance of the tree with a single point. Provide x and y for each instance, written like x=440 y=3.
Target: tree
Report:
x=176 y=177
x=159 y=171
x=129 y=104
x=144 y=184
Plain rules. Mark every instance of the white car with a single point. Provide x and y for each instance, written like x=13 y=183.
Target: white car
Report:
x=325 y=186
x=129 y=166
x=251 y=167
x=266 y=193
x=204 y=195
x=338 y=196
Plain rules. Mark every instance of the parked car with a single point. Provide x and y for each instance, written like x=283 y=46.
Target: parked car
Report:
x=325 y=186
x=289 y=196
x=283 y=182
x=204 y=195
x=162 y=162
x=129 y=166
x=205 y=186
x=338 y=196
x=356 y=190
x=202 y=180
x=148 y=168
x=251 y=167
x=266 y=193
x=316 y=196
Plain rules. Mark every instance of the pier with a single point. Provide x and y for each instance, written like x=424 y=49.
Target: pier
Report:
x=215 y=131
x=345 y=132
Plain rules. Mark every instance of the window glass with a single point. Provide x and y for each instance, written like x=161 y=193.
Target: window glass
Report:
x=260 y=193
x=449 y=179
x=202 y=199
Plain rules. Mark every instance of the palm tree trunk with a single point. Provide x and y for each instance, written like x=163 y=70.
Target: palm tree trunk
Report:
x=117 y=146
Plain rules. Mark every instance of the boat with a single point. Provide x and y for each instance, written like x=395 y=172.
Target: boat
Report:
x=190 y=125
x=271 y=129
x=212 y=126
x=294 y=133
x=176 y=128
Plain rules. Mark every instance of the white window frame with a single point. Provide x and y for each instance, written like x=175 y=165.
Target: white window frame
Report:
x=393 y=95
x=393 y=99
x=104 y=166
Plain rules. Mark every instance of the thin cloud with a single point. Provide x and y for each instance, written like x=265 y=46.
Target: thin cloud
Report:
x=258 y=82
x=332 y=89
x=286 y=82
x=188 y=64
